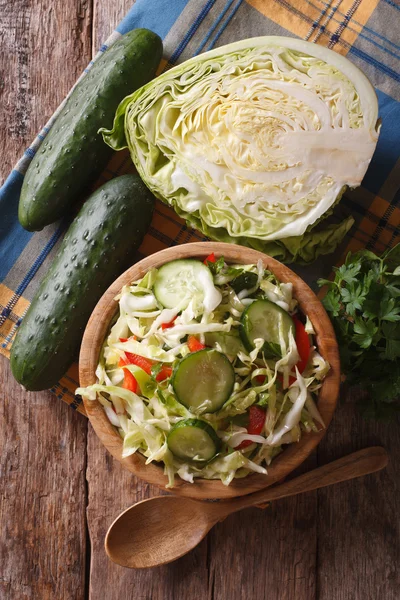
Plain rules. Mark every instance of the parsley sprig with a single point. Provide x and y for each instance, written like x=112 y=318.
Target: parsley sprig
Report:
x=363 y=301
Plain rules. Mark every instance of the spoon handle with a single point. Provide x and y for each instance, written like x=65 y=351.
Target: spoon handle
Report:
x=351 y=466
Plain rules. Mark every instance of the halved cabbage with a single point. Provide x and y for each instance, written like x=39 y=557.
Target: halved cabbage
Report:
x=254 y=142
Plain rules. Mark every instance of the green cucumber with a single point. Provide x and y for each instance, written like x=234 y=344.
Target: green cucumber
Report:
x=268 y=321
x=73 y=153
x=193 y=440
x=179 y=280
x=203 y=381
x=98 y=246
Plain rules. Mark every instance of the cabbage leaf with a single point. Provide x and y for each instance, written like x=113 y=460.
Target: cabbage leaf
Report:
x=254 y=142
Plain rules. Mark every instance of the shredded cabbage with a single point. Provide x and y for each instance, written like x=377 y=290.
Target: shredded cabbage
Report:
x=144 y=417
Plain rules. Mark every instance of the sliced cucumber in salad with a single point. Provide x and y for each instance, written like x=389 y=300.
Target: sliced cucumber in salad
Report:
x=179 y=281
x=203 y=381
x=194 y=440
x=268 y=321
x=229 y=343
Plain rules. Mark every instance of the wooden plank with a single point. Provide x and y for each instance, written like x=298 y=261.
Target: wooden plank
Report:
x=43 y=442
x=358 y=522
x=106 y=16
x=268 y=553
x=42 y=509
x=45 y=46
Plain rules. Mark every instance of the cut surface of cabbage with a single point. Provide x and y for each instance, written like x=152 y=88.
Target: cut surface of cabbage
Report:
x=257 y=139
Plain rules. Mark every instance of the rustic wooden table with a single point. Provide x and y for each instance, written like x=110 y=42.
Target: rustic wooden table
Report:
x=60 y=489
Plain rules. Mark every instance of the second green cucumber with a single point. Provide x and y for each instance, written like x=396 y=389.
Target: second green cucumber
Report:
x=99 y=245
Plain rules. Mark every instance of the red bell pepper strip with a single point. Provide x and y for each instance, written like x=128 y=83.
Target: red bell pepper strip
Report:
x=146 y=364
x=129 y=382
x=168 y=325
x=194 y=345
x=210 y=258
x=302 y=343
x=303 y=348
x=256 y=423
x=139 y=361
x=164 y=373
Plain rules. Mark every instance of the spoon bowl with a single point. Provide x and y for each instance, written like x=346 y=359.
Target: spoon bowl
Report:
x=159 y=530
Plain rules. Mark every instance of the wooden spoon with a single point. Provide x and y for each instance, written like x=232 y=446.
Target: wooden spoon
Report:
x=161 y=529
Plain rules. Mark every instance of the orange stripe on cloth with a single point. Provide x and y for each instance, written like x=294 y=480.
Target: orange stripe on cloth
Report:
x=394 y=218
x=307 y=20
x=17 y=311
x=381 y=223
x=379 y=206
x=370 y=232
x=162 y=66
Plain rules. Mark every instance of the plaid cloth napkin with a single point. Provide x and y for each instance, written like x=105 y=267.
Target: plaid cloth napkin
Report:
x=367 y=31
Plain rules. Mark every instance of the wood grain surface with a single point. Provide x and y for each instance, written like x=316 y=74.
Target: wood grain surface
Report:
x=335 y=544
x=43 y=495
x=43 y=444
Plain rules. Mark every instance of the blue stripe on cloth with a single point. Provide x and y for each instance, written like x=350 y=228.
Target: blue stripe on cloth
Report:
x=375 y=63
x=361 y=35
x=224 y=25
x=387 y=149
x=39 y=260
x=343 y=24
x=355 y=22
x=5 y=314
x=192 y=30
x=158 y=16
x=392 y=3
x=378 y=35
x=13 y=237
x=358 y=34
x=27 y=279
x=214 y=27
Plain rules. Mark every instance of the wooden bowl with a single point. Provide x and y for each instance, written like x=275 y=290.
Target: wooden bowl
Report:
x=293 y=455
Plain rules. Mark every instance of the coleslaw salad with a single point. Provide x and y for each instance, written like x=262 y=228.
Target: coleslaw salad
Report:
x=210 y=369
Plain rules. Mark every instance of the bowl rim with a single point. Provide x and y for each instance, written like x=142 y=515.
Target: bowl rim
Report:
x=293 y=455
